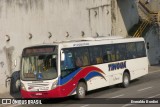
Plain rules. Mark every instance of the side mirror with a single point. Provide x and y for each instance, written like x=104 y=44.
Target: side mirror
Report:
x=62 y=55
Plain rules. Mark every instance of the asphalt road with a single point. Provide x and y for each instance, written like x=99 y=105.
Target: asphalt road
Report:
x=146 y=87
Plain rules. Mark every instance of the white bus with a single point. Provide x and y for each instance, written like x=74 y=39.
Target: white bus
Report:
x=75 y=67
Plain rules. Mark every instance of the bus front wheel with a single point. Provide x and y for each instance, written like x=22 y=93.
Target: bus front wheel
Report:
x=126 y=80
x=81 y=90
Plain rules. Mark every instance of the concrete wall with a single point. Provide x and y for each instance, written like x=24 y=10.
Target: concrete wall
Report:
x=126 y=15
x=153 y=34
x=41 y=18
x=153 y=38
x=21 y=19
x=153 y=5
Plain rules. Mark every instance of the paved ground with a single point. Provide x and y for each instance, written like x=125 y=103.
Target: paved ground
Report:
x=154 y=68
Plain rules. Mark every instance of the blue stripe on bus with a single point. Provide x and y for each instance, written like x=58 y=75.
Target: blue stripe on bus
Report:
x=88 y=77
x=69 y=77
x=93 y=74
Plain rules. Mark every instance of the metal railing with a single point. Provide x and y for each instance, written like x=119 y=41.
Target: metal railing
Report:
x=141 y=29
x=152 y=17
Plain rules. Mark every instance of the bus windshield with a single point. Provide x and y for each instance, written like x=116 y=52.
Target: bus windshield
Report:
x=39 y=67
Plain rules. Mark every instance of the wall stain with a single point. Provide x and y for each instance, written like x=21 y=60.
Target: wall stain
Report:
x=113 y=14
x=9 y=55
x=89 y=20
x=1 y=51
x=1 y=64
x=9 y=2
x=0 y=9
x=25 y=4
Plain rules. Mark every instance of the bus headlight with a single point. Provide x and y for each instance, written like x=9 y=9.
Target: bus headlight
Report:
x=22 y=86
x=54 y=85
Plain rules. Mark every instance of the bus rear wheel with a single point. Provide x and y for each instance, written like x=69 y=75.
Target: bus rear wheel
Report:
x=81 y=90
x=126 y=80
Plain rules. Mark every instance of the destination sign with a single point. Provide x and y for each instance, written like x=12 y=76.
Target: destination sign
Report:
x=30 y=51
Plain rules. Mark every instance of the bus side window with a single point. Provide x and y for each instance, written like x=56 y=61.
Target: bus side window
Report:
x=68 y=62
x=120 y=52
x=96 y=55
x=67 y=65
x=141 y=52
x=78 y=61
x=117 y=55
x=131 y=50
x=85 y=59
x=82 y=57
x=108 y=53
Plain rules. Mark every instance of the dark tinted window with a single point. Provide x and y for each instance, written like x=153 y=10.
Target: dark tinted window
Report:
x=109 y=53
x=81 y=57
x=120 y=52
x=96 y=54
x=131 y=50
x=141 y=51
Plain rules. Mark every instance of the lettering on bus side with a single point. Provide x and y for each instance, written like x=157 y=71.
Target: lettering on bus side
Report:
x=80 y=44
x=116 y=66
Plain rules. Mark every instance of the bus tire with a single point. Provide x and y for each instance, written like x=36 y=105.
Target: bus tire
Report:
x=126 y=80
x=81 y=90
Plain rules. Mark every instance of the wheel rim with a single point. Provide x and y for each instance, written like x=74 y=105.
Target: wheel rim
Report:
x=126 y=80
x=81 y=91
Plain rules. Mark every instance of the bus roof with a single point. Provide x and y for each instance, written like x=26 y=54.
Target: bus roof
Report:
x=99 y=41
x=90 y=41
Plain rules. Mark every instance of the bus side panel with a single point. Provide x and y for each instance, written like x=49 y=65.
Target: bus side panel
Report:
x=114 y=71
x=99 y=82
x=94 y=77
x=137 y=67
x=115 y=79
x=111 y=77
